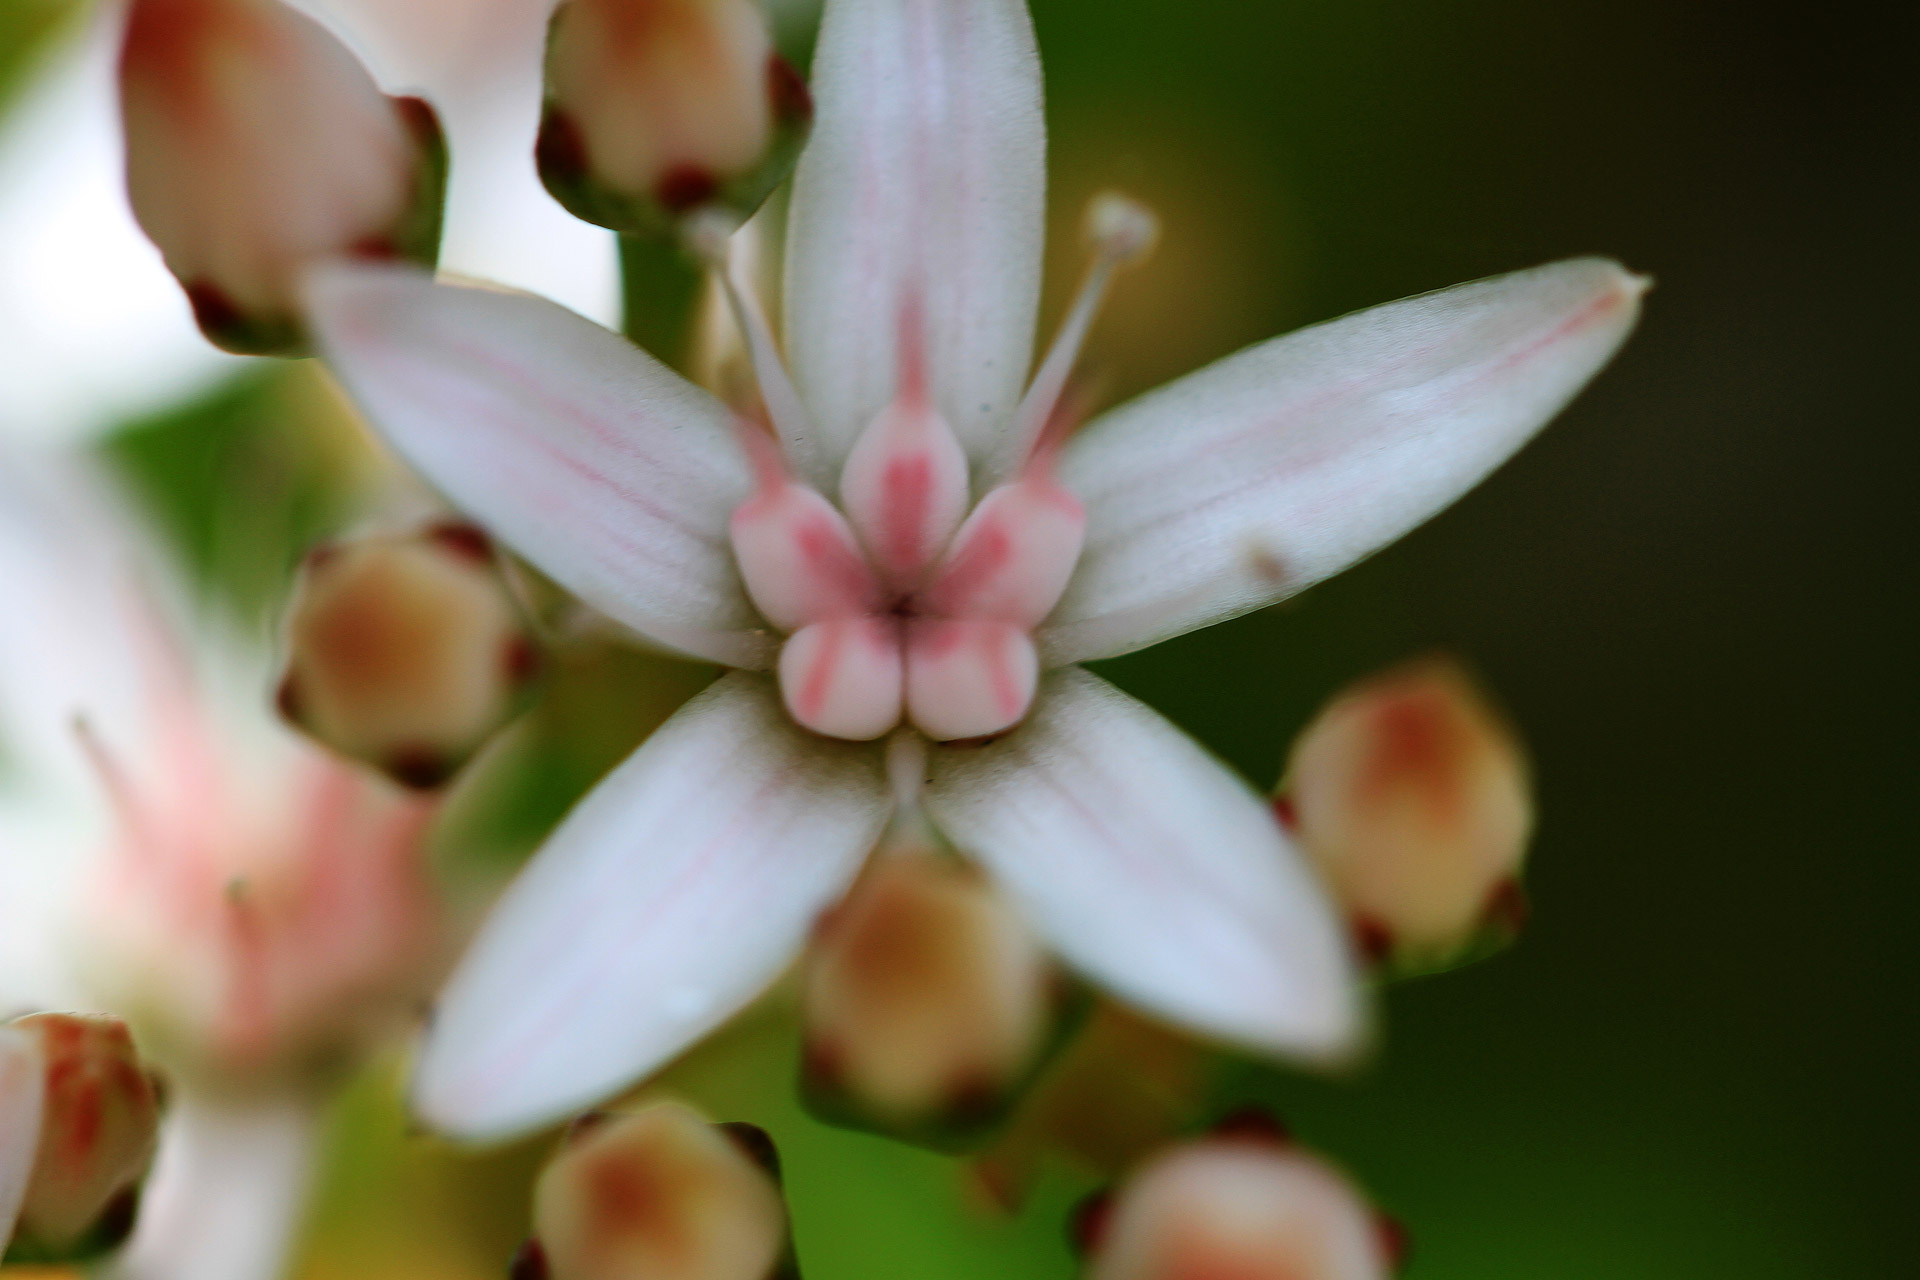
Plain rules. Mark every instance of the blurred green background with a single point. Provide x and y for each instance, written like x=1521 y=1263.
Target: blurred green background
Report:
x=1693 y=594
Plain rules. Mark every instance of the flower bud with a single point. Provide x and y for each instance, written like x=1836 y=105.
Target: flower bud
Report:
x=97 y=1125
x=1230 y=1206
x=1412 y=797
x=659 y=1194
x=658 y=107
x=928 y=1003
x=257 y=145
x=406 y=651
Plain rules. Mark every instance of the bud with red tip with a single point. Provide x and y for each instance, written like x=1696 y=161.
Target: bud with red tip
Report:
x=79 y=1119
x=1229 y=1205
x=928 y=1003
x=1412 y=796
x=656 y=108
x=406 y=650
x=660 y=1194
x=257 y=145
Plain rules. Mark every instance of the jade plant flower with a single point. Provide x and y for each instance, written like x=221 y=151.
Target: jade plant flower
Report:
x=908 y=568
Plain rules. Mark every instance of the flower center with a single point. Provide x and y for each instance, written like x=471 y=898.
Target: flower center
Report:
x=906 y=603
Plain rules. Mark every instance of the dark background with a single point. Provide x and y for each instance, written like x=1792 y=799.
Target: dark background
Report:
x=1693 y=592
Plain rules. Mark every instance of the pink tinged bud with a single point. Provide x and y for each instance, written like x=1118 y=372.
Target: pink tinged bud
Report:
x=968 y=678
x=1412 y=797
x=904 y=487
x=659 y=1194
x=406 y=651
x=1231 y=1209
x=928 y=1002
x=798 y=557
x=99 y=1119
x=256 y=146
x=843 y=677
x=656 y=108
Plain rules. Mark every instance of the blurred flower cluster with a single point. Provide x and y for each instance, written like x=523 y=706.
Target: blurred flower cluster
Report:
x=759 y=641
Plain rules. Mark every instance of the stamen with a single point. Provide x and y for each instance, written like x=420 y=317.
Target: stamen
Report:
x=1122 y=232
x=113 y=777
x=710 y=235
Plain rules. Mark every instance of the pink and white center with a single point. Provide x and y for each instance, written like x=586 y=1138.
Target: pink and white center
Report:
x=901 y=605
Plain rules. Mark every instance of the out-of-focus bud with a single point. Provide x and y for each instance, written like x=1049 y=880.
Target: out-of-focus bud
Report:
x=659 y=1194
x=1230 y=1205
x=656 y=108
x=406 y=651
x=98 y=1119
x=1412 y=796
x=928 y=1003
x=257 y=145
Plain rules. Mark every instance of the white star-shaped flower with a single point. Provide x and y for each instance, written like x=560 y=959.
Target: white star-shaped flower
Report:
x=914 y=559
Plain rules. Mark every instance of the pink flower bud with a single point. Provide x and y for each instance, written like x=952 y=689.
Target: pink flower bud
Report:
x=1412 y=797
x=658 y=107
x=99 y=1119
x=659 y=1194
x=927 y=1000
x=257 y=145
x=1231 y=1207
x=406 y=651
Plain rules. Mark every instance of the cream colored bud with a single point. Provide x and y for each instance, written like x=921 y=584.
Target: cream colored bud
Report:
x=406 y=651
x=257 y=145
x=1412 y=797
x=927 y=1000
x=99 y=1119
x=658 y=1194
x=656 y=108
x=1246 y=1209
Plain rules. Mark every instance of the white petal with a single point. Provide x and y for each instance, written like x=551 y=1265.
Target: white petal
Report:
x=609 y=471
x=22 y=1095
x=926 y=170
x=664 y=903
x=1152 y=868
x=1279 y=466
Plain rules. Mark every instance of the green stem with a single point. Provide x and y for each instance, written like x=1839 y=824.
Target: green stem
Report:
x=659 y=291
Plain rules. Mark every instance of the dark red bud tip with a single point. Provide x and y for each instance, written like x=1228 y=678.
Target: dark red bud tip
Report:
x=1508 y=908
x=1252 y=1124
x=1373 y=940
x=530 y=1263
x=822 y=1063
x=319 y=556
x=419 y=118
x=1087 y=1224
x=117 y=1219
x=520 y=660
x=1285 y=811
x=213 y=310
x=561 y=150
x=583 y=1124
x=756 y=1143
x=375 y=248
x=286 y=700
x=419 y=768
x=685 y=187
x=788 y=92
x=1395 y=1241
x=467 y=541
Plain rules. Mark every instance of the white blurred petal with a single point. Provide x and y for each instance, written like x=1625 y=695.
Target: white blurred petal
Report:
x=926 y=170
x=227 y=1192
x=1152 y=868
x=22 y=1096
x=666 y=901
x=1262 y=474
x=93 y=329
x=605 y=468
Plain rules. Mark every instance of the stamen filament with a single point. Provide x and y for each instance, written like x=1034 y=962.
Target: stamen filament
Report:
x=712 y=239
x=1123 y=232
